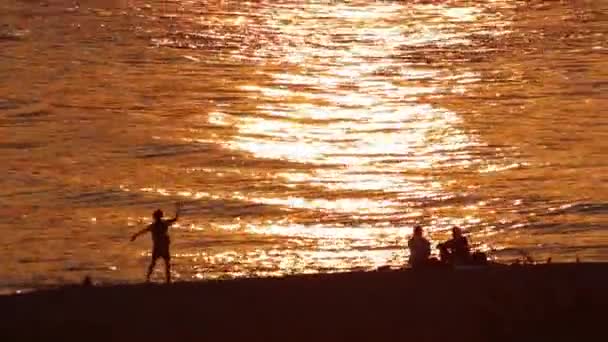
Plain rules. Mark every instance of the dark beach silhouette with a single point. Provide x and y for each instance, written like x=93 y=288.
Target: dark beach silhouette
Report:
x=555 y=302
x=159 y=229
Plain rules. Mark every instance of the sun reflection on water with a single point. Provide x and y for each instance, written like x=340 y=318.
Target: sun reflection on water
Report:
x=340 y=99
x=300 y=136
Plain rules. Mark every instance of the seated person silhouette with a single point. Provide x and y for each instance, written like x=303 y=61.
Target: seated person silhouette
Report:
x=456 y=250
x=160 y=241
x=420 y=249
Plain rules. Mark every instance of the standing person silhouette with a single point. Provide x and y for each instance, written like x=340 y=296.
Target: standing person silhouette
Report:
x=160 y=241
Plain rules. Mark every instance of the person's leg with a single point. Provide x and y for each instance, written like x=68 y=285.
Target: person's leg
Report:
x=167 y=260
x=151 y=267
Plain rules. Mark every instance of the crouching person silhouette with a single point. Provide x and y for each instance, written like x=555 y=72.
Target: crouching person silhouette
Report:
x=160 y=240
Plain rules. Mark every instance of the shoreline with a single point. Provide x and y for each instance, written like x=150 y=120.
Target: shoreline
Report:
x=531 y=303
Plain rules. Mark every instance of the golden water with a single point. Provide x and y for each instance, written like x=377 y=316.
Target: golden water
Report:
x=301 y=136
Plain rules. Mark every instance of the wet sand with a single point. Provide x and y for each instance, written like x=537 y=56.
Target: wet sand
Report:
x=515 y=303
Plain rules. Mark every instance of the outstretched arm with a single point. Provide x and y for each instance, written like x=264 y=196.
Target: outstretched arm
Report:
x=178 y=208
x=145 y=230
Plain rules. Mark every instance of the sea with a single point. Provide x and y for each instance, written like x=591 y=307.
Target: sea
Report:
x=297 y=136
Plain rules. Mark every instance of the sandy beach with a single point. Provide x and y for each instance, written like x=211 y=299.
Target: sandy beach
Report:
x=511 y=303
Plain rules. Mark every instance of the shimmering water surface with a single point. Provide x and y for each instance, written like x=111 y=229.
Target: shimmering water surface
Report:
x=301 y=136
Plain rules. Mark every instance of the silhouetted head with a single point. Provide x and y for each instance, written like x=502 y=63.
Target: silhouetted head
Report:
x=157 y=214
x=456 y=232
x=417 y=230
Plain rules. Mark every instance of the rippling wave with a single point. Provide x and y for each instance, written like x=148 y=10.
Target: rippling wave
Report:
x=301 y=136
